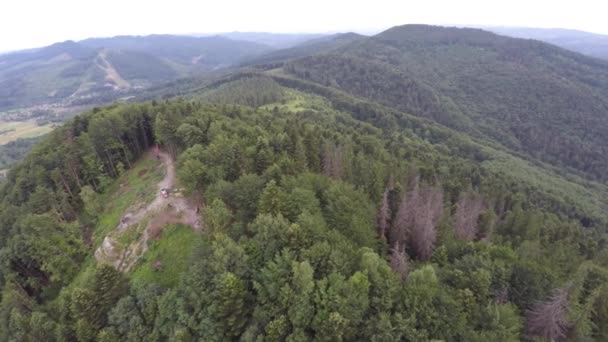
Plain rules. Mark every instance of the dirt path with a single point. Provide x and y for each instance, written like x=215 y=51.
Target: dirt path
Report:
x=131 y=218
x=160 y=212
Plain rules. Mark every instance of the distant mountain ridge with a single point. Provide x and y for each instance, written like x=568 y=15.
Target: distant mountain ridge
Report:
x=274 y=40
x=591 y=44
x=77 y=71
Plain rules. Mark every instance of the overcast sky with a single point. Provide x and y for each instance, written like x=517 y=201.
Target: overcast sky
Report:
x=33 y=23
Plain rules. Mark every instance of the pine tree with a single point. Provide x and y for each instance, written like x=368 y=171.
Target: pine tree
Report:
x=272 y=199
x=312 y=146
x=91 y=203
x=229 y=308
x=301 y=308
x=299 y=155
x=383 y=216
x=92 y=303
x=217 y=217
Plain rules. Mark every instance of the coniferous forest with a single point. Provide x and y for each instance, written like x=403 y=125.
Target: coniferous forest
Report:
x=335 y=200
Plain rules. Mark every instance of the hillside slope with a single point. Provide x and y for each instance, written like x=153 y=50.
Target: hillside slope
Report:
x=206 y=52
x=529 y=96
x=315 y=210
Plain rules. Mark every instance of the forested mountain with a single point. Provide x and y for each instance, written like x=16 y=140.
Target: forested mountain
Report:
x=529 y=96
x=379 y=190
x=110 y=67
x=591 y=44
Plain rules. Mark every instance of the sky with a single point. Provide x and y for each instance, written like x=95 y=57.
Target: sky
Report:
x=34 y=23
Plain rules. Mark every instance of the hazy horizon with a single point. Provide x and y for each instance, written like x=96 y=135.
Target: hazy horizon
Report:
x=63 y=20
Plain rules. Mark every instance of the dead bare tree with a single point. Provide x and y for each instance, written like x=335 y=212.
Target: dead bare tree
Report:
x=423 y=234
x=405 y=217
x=399 y=263
x=549 y=319
x=417 y=218
x=333 y=161
x=327 y=160
x=468 y=209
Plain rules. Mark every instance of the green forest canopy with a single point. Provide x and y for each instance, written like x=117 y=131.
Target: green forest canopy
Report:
x=310 y=233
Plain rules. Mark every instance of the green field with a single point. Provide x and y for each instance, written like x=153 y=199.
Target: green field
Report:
x=296 y=101
x=11 y=131
x=167 y=257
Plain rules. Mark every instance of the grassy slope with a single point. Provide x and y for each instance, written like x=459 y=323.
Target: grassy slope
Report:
x=296 y=101
x=137 y=185
x=171 y=250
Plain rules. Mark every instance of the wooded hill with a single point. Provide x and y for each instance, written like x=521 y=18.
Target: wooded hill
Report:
x=104 y=69
x=368 y=201
x=528 y=96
